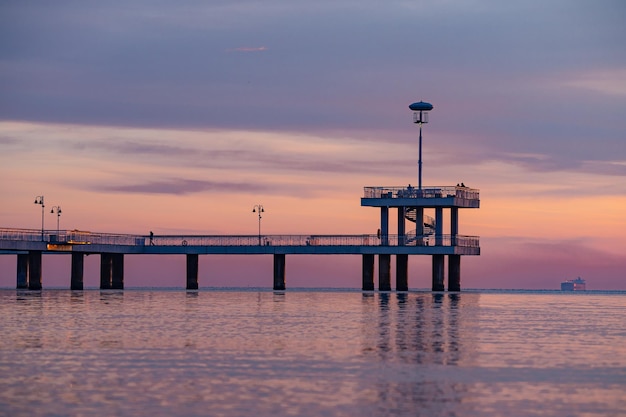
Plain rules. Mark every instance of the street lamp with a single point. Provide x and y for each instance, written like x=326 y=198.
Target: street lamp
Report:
x=57 y=210
x=258 y=208
x=420 y=116
x=39 y=200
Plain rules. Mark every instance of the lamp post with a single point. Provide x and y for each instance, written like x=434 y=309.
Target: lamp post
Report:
x=39 y=200
x=258 y=208
x=420 y=116
x=57 y=210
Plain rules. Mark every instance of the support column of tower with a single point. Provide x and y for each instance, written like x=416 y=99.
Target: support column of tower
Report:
x=454 y=272
x=402 y=272
x=279 y=271
x=368 y=272
x=402 y=260
x=384 y=226
x=192 y=271
x=438 y=269
x=384 y=272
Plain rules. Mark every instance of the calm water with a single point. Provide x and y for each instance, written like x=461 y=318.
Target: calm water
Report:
x=311 y=353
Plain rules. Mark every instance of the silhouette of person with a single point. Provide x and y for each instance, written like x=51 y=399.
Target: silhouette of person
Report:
x=151 y=238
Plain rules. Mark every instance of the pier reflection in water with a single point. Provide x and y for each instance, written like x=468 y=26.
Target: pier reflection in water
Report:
x=309 y=353
x=414 y=338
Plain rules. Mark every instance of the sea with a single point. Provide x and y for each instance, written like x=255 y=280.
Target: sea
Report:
x=311 y=352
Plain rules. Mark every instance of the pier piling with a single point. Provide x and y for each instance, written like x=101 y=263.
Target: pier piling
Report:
x=22 y=271
x=192 y=271
x=279 y=271
x=402 y=272
x=78 y=263
x=454 y=273
x=368 y=272
x=384 y=272
x=438 y=266
x=34 y=270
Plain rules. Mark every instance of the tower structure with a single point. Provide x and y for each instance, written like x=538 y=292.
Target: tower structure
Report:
x=428 y=238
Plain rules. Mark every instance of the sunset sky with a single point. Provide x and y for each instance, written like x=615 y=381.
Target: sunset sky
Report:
x=179 y=116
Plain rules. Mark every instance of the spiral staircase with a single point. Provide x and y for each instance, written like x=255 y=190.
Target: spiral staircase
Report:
x=428 y=229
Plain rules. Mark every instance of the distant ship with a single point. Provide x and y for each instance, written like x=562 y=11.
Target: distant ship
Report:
x=577 y=284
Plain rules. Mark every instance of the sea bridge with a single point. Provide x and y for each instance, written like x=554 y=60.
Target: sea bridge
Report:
x=427 y=239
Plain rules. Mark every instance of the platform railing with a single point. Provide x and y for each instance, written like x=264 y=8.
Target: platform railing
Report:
x=76 y=237
x=426 y=192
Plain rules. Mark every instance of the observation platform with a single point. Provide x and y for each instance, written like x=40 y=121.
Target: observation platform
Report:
x=431 y=197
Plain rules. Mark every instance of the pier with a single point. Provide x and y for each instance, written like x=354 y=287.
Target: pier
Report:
x=427 y=239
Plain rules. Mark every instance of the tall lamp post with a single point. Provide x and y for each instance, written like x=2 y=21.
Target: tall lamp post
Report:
x=420 y=116
x=57 y=210
x=39 y=200
x=258 y=208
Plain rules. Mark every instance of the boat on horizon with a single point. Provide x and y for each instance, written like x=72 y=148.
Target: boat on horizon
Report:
x=577 y=284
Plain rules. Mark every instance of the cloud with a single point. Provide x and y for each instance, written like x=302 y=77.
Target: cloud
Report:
x=180 y=186
x=608 y=81
x=248 y=49
x=186 y=186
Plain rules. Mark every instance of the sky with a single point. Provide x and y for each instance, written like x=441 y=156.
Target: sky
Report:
x=178 y=117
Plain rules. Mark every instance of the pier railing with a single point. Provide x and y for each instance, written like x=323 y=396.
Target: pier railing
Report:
x=429 y=192
x=76 y=237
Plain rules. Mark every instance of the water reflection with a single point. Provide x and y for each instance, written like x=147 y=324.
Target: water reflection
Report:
x=418 y=335
x=421 y=328
x=236 y=353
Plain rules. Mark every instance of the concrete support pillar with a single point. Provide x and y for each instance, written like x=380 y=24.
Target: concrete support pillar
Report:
x=438 y=226
x=454 y=224
x=368 y=272
x=402 y=272
x=384 y=272
x=34 y=270
x=117 y=271
x=78 y=263
x=192 y=271
x=279 y=271
x=454 y=272
x=401 y=225
x=438 y=265
x=22 y=271
x=106 y=267
x=384 y=226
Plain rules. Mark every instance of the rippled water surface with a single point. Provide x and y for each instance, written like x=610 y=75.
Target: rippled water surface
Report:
x=311 y=353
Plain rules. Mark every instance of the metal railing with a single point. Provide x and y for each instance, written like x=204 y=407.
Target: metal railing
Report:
x=429 y=192
x=76 y=237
